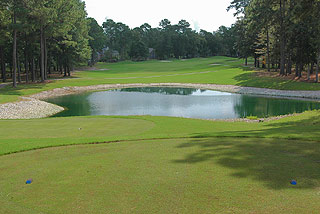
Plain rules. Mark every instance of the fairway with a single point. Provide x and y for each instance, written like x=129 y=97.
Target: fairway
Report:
x=148 y=164
x=220 y=175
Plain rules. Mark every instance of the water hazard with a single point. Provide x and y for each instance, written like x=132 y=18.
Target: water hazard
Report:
x=178 y=102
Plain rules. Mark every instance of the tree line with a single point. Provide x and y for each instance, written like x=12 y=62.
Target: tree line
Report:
x=279 y=34
x=167 y=40
x=38 y=37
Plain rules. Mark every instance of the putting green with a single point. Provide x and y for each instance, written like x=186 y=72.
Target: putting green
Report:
x=212 y=175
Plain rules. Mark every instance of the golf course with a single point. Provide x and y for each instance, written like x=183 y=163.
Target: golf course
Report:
x=158 y=164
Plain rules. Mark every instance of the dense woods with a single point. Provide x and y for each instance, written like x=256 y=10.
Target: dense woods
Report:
x=167 y=41
x=38 y=37
x=280 y=34
x=41 y=37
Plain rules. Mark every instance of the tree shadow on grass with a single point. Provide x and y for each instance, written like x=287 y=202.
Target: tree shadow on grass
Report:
x=9 y=90
x=304 y=127
x=272 y=162
x=251 y=80
x=275 y=154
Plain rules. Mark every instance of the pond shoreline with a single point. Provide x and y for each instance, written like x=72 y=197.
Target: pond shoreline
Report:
x=32 y=107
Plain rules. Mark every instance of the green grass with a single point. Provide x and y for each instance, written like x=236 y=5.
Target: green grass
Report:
x=42 y=133
x=215 y=70
x=160 y=165
x=145 y=164
x=209 y=175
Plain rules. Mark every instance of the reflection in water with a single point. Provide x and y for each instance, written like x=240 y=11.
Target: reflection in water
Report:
x=178 y=102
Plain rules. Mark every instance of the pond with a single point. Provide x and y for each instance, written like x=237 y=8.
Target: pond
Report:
x=178 y=102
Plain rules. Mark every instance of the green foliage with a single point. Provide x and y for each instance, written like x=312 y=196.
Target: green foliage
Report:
x=97 y=39
x=285 y=32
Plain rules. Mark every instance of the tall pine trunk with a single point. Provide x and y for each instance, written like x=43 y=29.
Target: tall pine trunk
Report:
x=297 y=69
x=318 y=66
x=289 y=63
x=308 y=75
x=42 y=64
x=33 y=71
x=255 y=60
x=45 y=57
x=19 y=68
x=14 y=52
x=301 y=69
x=26 y=64
x=282 y=37
x=268 y=50
x=26 y=60
x=3 y=64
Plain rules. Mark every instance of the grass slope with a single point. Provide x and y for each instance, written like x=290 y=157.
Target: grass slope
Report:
x=215 y=70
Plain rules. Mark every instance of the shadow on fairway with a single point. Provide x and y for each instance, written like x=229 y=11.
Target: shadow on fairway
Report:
x=274 y=162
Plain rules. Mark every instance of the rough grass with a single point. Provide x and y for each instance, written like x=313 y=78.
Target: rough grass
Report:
x=215 y=70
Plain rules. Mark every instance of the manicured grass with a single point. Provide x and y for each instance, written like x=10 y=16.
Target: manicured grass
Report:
x=146 y=164
x=215 y=70
x=209 y=175
x=22 y=135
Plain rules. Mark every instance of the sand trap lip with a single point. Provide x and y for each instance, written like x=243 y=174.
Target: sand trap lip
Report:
x=165 y=61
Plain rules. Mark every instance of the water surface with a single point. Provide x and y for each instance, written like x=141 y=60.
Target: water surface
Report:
x=178 y=102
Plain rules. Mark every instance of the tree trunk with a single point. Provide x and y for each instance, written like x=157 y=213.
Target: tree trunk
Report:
x=19 y=68
x=60 y=68
x=3 y=64
x=297 y=70
x=268 y=50
x=311 y=68
x=26 y=63
x=65 y=70
x=308 y=75
x=42 y=64
x=318 y=66
x=69 y=72
x=33 y=71
x=255 y=61
x=300 y=70
x=282 y=37
x=14 y=52
x=246 y=62
x=45 y=57
x=289 y=63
